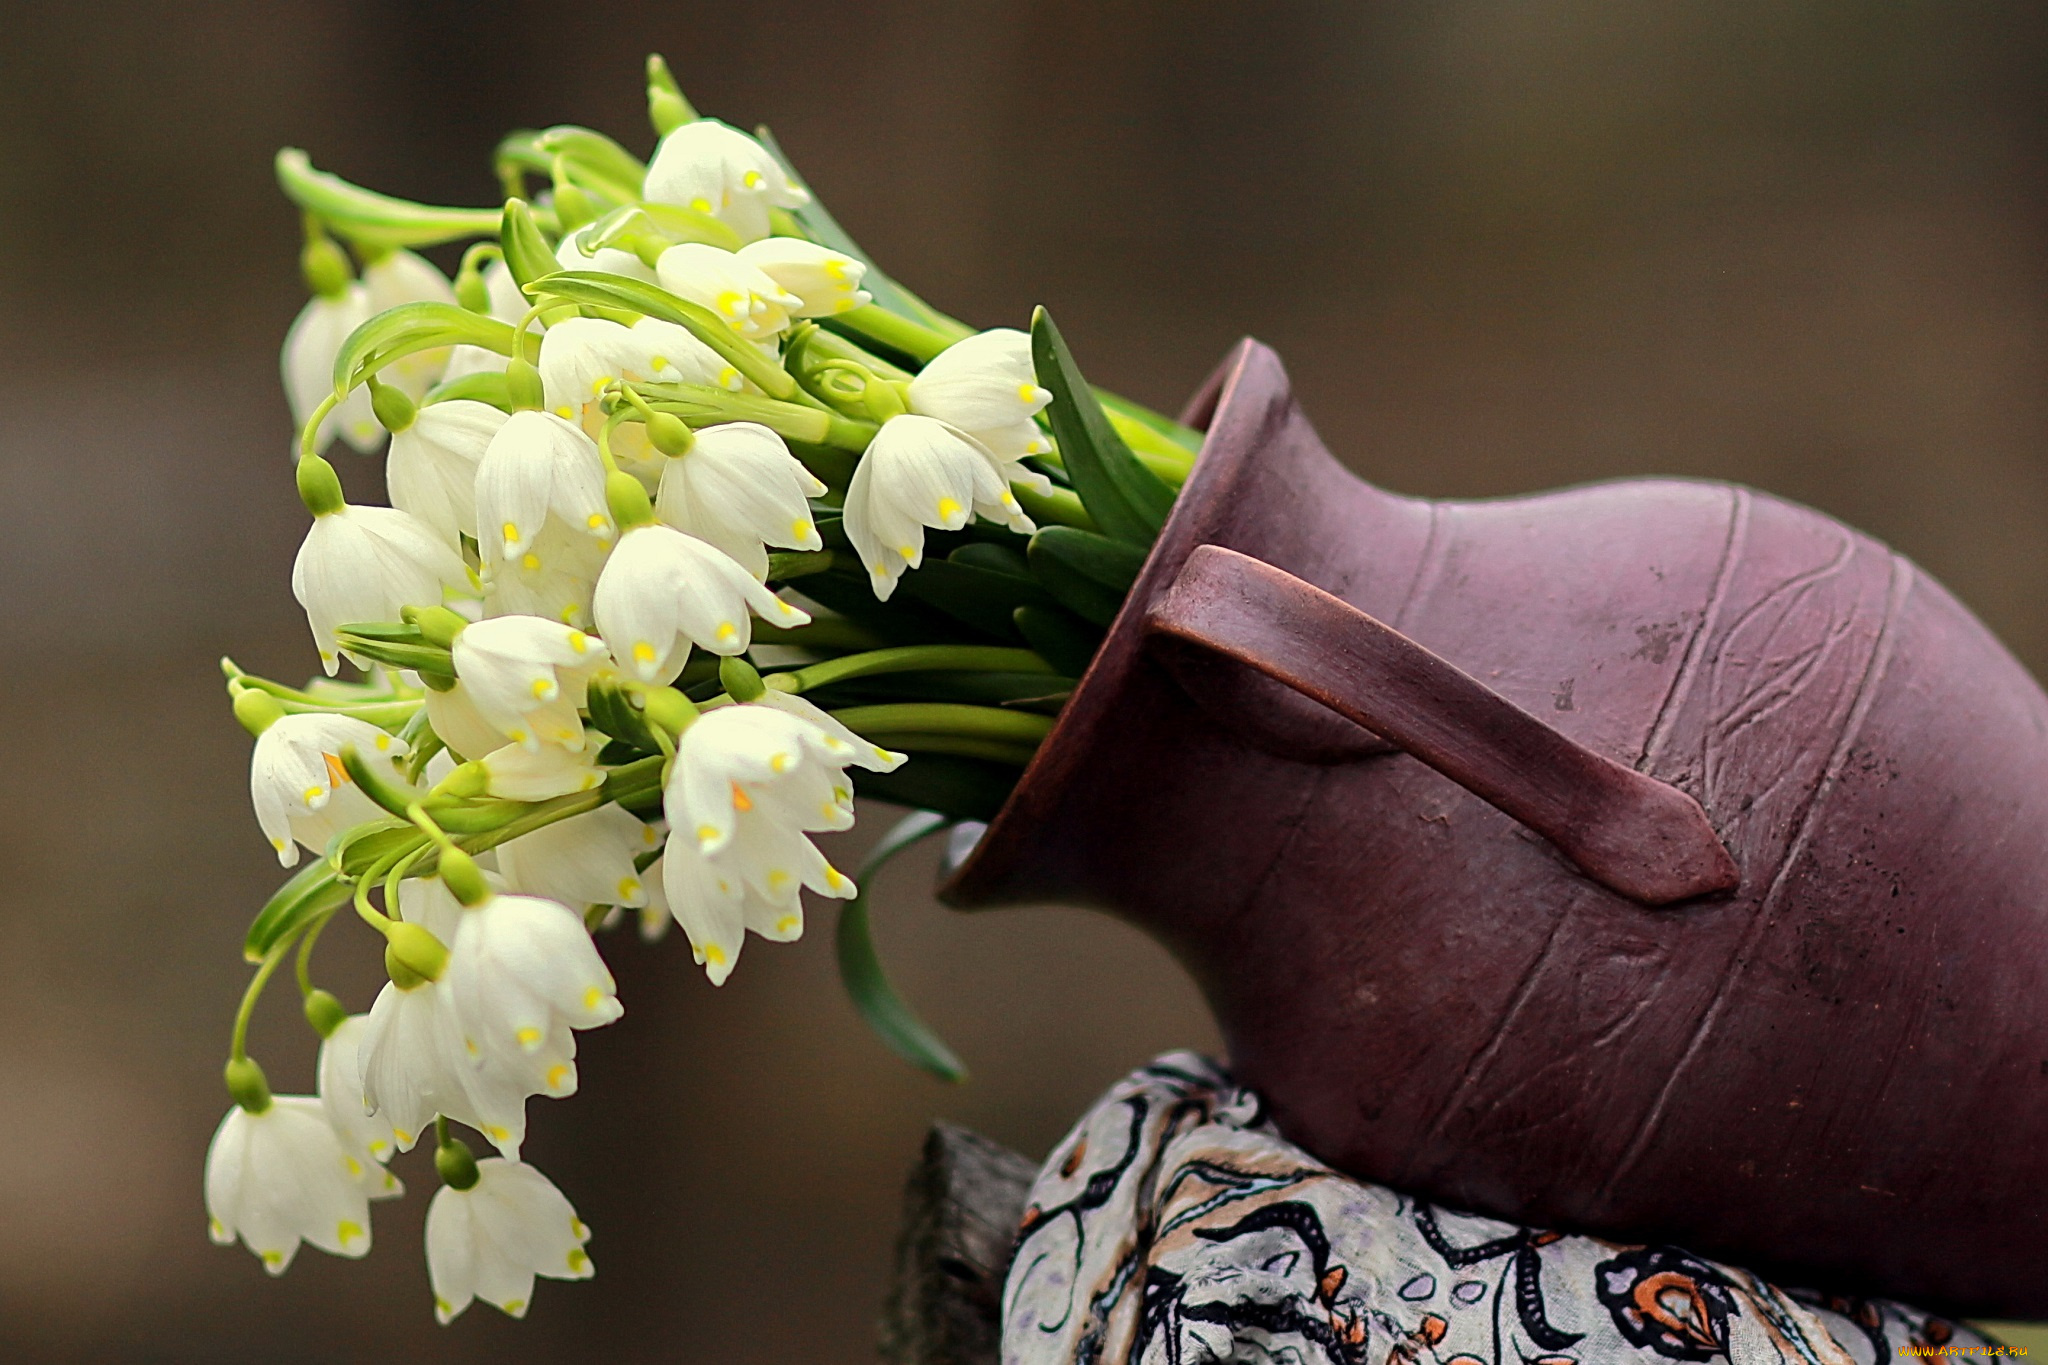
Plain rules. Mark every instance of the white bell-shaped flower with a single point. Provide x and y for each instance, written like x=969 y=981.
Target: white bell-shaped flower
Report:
x=655 y=917
x=538 y=466
x=366 y=1140
x=716 y=908
x=489 y=1241
x=985 y=386
x=431 y=468
x=523 y=971
x=715 y=168
x=518 y=773
x=417 y=1063
x=746 y=298
x=400 y=277
x=663 y=591
x=579 y=359
x=369 y=564
x=460 y=725
x=740 y=489
x=826 y=281
x=587 y=859
x=283 y=1176
x=307 y=362
x=919 y=472
x=527 y=676
x=301 y=791
x=554 y=577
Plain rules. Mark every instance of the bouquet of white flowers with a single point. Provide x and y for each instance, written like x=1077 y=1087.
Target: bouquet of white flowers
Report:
x=700 y=526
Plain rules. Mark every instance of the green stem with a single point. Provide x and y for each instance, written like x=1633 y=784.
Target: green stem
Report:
x=898 y=333
x=944 y=718
x=303 y=968
x=1057 y=508
x=238 y=1045
x=912 y=659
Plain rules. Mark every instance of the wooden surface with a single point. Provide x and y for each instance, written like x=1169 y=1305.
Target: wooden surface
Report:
x=960 y=1215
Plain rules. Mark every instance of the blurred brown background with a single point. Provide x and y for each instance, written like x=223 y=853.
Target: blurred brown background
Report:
x=1502 y=245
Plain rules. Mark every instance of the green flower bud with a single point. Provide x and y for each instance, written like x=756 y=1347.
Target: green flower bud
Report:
x=393 y=408
x=886 y=398
x=669 y=434
x=438 y=625
x=319 y=486
x=468 y=779
x=412 y=955
x=325 y=1013
x=522 y=383
x=526 y=251
x=256 y=710
x=627 y=499
x=456 y=1164
x=572 y=206
x=669 y=709
x=325 y=266
x=247 y=1085
x=739 y=679
x=667 y=110
x=463 y=878
x=470 y=290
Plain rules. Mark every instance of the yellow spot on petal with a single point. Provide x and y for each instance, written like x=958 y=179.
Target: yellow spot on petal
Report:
x=629 y=887
x=779 y=763
x=907 y=551
x=273 y=1258
x=577 y=1230
x=752 y=180
x=591 y=996
x=834 y=878
x=528 y=1037
x=740 y=800
x=714 y=954
x=701 y=204
x=948 y=508
x=513 y=1306
x=511 y=532
x=801 y=528
x=786 y=925
x=595 y=521
x=578 y=1258
x=312 y=794
x=347 y=1231
x=565 y=412
x=530 y=562
x=355 y=1168
x=643 y=653
x=277 y=844
x=518 y=736
x=706 y=833
x=830 y=810
x=659 y=362
x=558 y=1075
x=404 y=1138
x=1027 y=393
x=383 y=743
x=777 y=878
x=541 y=688
x=727 y=631
x=495 y=1133
x=578 y=641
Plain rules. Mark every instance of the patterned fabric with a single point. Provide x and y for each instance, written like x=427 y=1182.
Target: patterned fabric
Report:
x=1173 y=1226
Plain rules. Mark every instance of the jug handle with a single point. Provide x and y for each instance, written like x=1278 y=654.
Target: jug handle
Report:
x=1625 y=829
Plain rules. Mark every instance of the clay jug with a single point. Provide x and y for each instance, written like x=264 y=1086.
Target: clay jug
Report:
x=1655 y=859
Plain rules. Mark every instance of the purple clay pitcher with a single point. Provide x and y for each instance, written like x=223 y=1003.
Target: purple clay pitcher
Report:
x=1655 y=859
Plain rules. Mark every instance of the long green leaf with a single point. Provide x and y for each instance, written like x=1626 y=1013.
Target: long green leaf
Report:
x=981 y=598
x=316 y=888
x=373 y=219
x=860 y=967
x=1074 y=590
x=595 y=288
x=1127 y=500
x=1062 y=639
x=964 y=788
x=1112 y=563
x=414 y=327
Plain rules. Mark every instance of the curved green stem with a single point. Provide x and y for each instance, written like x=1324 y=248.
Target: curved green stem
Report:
x=911 y=659
x=303 y=967
x=945 y=718
x=238 y=1044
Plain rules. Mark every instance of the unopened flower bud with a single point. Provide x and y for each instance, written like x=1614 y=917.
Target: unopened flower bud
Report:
x=412 y=955
x=437 y=625
x=456 y=1164
x=523 y=386
x=669 y=709
x=247 y=1085
x=325 y=1013
x=256 y=710
x=325 y=266
x=319 y=486
x=470 y=290
x=666 y=108
x=396 y=411
x=627 y=499
x=668 y=433
x=526 y=251
x=463 y=878
x=739 y=679
x=572 y=206
x=885 y=399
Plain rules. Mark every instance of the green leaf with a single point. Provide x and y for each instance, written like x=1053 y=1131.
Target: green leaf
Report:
x=484 y=386
x=527 y=254
x=315 y=889
x=372 y=219
x=400 y=652
x=1112 y=563
x=1127 y=500
x=595 y=161
x=596 y=288
x=981 y=598
x=413 y=327
x=860 y=968
x=964 y=788
x=896 y=622
x=363 y=847
x=993 y=558
x=1074 y=590
x=1062 y=639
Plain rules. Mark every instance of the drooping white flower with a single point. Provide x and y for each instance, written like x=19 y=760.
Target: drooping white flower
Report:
x=715 y=168
x=538 y=466
x=919 y=472
x=307 y=362
x=522 y=972
x=416 y=1063
x=748 y=299
x=281 y=1177
x=738 y=488
x=655 y=917
x=826 y=281
x=518 y=773
x=527 y=676
x=553 y=577
x=489 y=1241
x=662 y=591
x=366 y=1141
x=369 y=564
x=400 y=277
x=586 y=859
x=986 y=386
x=459 y=724
x=749 y=783
x=301 y=791
x=431 y=469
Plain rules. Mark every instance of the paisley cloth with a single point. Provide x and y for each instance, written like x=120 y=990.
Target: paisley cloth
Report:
x=1174 y=1226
